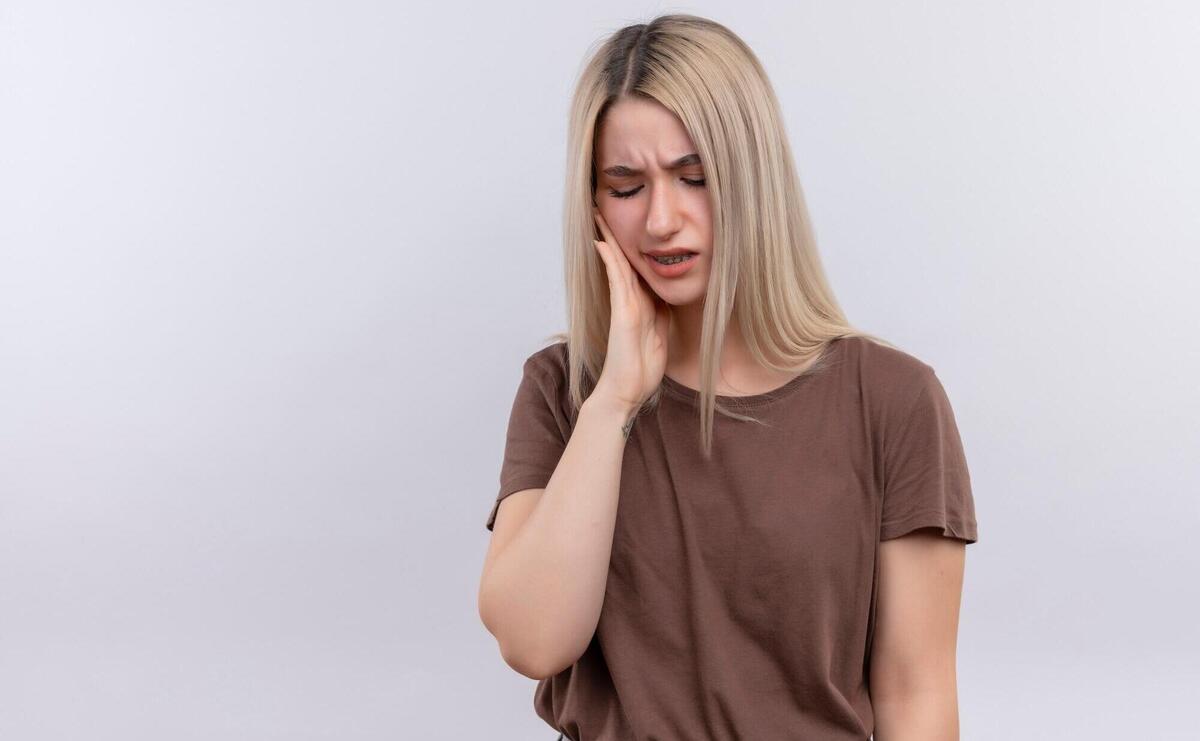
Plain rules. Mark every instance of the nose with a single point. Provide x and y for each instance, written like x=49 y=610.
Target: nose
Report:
x=663 y=219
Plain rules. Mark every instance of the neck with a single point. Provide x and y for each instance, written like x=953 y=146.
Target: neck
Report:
x=738 y=373
x=683 y=346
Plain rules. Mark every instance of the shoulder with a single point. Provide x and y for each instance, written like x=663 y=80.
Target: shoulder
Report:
x=890 y=378
x=549 y=362
x=883 y=360
x=548 y=369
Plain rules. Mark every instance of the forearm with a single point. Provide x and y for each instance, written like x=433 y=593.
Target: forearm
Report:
x=542 y=596
x=924 y=716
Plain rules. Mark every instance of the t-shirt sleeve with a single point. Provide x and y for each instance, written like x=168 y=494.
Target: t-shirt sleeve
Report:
x=926 y=481
x=538 y=431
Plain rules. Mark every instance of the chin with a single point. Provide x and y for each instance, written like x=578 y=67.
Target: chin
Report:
x=678 y=294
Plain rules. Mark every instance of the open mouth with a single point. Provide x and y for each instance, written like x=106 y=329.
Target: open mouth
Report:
x=672 y=266
x=673 y=259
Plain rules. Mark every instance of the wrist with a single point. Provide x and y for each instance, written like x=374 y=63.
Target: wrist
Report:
x=618 y=412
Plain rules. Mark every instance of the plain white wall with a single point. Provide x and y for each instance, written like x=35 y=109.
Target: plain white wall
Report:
x=268 y=272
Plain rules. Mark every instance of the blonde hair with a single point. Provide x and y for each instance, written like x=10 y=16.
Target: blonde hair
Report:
x=766 y=274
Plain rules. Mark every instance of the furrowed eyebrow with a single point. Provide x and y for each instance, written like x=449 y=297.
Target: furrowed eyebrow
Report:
x=621 y=171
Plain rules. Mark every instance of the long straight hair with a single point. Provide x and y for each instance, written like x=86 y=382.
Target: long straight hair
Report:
x=766 y=274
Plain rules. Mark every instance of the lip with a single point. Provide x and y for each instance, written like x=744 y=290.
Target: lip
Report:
x=668 y=252
x=670 y=271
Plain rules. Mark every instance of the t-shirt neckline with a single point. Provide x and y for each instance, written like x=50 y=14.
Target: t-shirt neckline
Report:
x=753 y=400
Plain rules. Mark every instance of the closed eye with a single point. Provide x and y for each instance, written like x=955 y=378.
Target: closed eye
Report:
x=630 y=193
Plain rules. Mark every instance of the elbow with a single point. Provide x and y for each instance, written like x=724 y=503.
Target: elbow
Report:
x=528 y=650
x=535 y=659
x=527 y=665
x=521 y=657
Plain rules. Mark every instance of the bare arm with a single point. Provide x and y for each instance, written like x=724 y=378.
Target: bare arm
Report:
x=547 y=567
x=913 y=681
x=544 y=579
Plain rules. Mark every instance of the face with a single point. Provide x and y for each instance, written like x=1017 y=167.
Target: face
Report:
x=653 y=196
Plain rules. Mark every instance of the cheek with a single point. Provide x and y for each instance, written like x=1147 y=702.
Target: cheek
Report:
x=626 y=232
x=702 y=210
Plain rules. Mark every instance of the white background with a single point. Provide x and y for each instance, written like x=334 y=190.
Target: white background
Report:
x=268 y=272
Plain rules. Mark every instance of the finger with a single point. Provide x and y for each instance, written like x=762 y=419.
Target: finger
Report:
x=662 y=318
x=615 y=284
x=647 y=295
x=626 y=269
x=635 y=283
x=614 y=253
x=602 y=225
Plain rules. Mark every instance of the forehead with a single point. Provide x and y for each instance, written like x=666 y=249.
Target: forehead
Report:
x=641 y=133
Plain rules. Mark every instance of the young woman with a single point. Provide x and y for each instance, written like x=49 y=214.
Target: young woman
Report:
x=724 y=513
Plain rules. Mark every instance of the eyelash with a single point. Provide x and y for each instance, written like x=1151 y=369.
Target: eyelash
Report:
x=631 y=193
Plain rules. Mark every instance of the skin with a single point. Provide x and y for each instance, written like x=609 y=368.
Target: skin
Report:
x=913 y=676
x=912 y=673
x=668 y=211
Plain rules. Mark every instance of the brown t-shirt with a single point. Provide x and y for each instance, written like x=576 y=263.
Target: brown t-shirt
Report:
x=741 y=591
